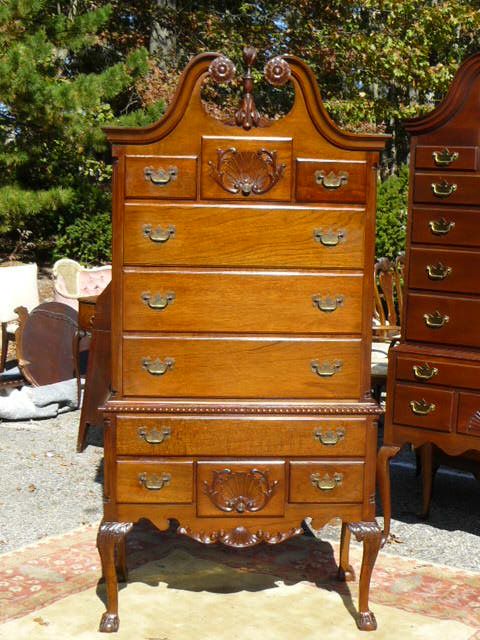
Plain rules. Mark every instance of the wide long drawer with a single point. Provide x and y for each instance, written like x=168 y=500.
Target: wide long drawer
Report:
x=239 y=435
x=252 y=367
x=236 y=236
x=242 y=302
x=439 y=319
x=444 y=270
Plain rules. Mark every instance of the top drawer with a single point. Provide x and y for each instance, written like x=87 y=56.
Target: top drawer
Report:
x=165 y=177
x=438 y=157
x=331 y=181
x=246 y=168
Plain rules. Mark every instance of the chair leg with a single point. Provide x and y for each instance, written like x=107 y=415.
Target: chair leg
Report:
x=3 y=355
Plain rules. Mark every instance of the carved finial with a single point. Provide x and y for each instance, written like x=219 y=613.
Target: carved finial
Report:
x=247 y=116
x=277 y=72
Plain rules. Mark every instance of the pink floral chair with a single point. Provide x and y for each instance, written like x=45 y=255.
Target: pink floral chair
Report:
x=72 y=281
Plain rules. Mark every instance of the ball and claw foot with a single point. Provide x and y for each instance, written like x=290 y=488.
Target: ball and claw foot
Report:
x=346 y=575
x=366 y=621
x=109 y=623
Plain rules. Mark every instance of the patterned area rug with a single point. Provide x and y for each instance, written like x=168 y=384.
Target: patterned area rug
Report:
x=179 y=590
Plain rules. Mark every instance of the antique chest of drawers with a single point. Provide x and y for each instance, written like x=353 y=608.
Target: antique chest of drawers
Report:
x=433 y=394
x=242 y=304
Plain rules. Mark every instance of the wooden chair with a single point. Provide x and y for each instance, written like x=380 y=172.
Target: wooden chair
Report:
x=387 y=316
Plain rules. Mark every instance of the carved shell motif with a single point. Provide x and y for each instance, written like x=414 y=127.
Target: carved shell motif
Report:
x=240 y=490
x=246 y=172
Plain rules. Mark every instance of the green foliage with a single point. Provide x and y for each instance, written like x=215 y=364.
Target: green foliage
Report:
x=88 y=240
x=392 y=202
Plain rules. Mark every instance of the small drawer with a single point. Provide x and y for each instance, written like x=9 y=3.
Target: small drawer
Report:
x=439 y=319
x=243 y=236
x=241 y=436
x=249 y=488
x=330 y=181
x=248 y=367
x=438 y=371
x=239 y=302
x=155 y=481
x=245 y=169
x=446 y=227
x=161 y=177
x=440 y=157
x=423 y=407
x=468 y=420
x=447 y=188
x=444 y=270
x=326 y=481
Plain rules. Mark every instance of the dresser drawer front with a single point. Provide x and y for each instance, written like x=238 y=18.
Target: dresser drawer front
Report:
x=447 y=188
x=444 y=270
x=242 y=436
x=326 y=481
x=155 y=481
x=161 y=177
x=249 y=488
x=446 y=158
x=446 y=227
x=242 y=367
x=242 y=302
x=438 y=371
x=245 y=169
x=423 y=407
x=330 y=181
x=460 y=329
x=468 y=420
x=248 y=237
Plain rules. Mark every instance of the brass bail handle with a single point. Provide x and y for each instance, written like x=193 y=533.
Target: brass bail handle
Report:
x=330 y=437
x=443 y=189
x=154 y=482
x=331 y=180
x=326 y=482
x=424 y=371
x=445 y=157
x=160 y=177
x=441 y=227
x=422 y=407
x=436 y=320
x=327 y=304
x=326 y=369
x=438 y=271
x=155 y=436
x=328 y=238
x=157 y=367
x=157 y=302
x=158 y=235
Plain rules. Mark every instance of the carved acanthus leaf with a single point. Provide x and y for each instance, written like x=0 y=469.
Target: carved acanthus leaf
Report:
x=239 y=537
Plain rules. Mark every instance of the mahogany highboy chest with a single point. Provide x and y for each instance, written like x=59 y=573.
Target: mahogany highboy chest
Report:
x=433 y=393
x=241 y=317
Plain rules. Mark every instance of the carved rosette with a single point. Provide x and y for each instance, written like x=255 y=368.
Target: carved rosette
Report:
x=239 y=537
x=240 y=491
x=246 y=172
x=277 y=72
x=222 y=70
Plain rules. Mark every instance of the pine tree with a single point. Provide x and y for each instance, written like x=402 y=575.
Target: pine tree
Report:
x=59 y=84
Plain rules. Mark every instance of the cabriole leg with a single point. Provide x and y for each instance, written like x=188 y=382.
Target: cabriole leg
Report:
x=110 y=539
x=371 y=535
x=345 y=570
x=384 y=486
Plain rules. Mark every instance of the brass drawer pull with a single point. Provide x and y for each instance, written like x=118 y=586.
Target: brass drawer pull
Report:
x=329 y=438
x=157 y=367
x=159 y=235
x=445 y=157
x=443 y=189
x=435 y=320
x=441 y=226
x=155 y=436
x=422 y=407
x=424 y=371
x=326 y=482
x=331 y=180
x=327 y=304
x=158 y=302
x=326 y=369
x=438 y=271
x=154 y=482
x=329 y=238
x=160 y=177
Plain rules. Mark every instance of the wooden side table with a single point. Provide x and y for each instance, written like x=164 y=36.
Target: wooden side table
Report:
x=94 y=319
